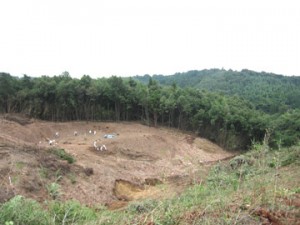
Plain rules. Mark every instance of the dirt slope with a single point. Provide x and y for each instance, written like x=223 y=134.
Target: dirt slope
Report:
x=140 y=161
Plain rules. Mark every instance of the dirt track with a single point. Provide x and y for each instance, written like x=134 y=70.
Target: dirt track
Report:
x=140 y=161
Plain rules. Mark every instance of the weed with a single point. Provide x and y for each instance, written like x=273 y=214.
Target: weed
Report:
x=9 y=223
x=292 y=157
x=43 y=172
x=142 y=207
x=19 y=210
x=20 y=165
x=297 y=190
x=54 y=190
x=15 y=179
x=62 y=154
x=72 y=178
x=58 y=175
x=220 y=178
x=70 y=212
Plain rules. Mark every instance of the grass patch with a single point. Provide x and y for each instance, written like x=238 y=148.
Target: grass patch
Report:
x=20 y=211
x=23 y=211
x=43 y=172
x=20 y=165
x=62 y=154
x=54 y=190
x=72 y=178
x=71 y=212
x=292 y=157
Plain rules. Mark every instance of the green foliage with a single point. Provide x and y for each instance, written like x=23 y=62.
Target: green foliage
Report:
x=268 y=92
x=20 y=210
x=291 y=157
x=54 y=190
x=9 y=223
x=286 y=131
x=142 y=207
x=72 y=178
x=43 y=172
x=62 y=154
x=219 y=178
x=240 y=161
x=70 y=212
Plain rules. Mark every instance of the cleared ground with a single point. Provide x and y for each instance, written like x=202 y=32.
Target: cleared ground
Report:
x=140 y=161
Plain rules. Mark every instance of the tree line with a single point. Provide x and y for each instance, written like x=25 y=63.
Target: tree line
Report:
x=231 y=121
x=268 y=92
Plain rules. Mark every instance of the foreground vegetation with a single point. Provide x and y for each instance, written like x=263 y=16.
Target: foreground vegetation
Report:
x=260 y=186
x=227 y=107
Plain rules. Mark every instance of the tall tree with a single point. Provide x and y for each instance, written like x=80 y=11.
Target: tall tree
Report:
x=154 y=99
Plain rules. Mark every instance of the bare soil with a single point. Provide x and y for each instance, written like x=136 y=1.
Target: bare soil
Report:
x=140 y=161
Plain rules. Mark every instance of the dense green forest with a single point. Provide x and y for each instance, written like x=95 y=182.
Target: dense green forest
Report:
x=233 y=109
x=267 y=92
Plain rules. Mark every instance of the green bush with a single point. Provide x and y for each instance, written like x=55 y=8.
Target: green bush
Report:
x=291 y=156
x=240 y=161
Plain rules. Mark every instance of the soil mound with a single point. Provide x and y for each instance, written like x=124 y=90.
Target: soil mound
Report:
x=136 y=161
x=21 y=119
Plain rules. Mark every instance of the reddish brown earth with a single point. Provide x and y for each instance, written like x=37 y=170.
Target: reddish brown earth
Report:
x=140 y=161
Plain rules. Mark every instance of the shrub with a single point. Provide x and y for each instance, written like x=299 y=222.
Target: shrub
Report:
x=239 y=161
x=291 y=156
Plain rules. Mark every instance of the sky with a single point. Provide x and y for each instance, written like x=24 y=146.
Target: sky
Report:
x=102 y=38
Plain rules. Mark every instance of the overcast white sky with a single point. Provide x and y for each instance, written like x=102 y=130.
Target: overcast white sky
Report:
x=136 y=37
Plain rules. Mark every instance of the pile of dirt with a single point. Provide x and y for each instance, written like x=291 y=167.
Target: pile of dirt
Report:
x=135 y=154
x=27 y=170
x=279 y=217
x=21 y=119
x=126 y=190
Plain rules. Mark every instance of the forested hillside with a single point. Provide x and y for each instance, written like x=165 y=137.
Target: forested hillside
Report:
x=233 y=120
x=268 y=92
